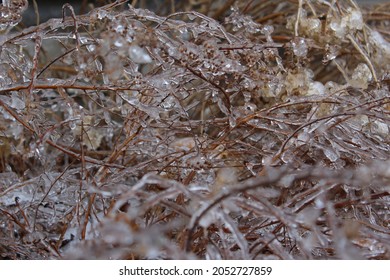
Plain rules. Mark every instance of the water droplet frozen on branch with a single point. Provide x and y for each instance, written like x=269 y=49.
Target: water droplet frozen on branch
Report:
x=331 y=154
x=355 y=19
x=168 y=103
x=361 y=76
x=380 y=54
x=10 y=15
x=313 y=25
x=101 y=14
x=351 y=21
x=303 y=138
x=250 y=166
x=191 y=16
x=298 y=80
x=379 y=41
x=267 y=30
x=242 y=21
x=316 y=88
x=232 y=121
x=139 y=55
x=338 y=27
x=17 y=103
x=118 y=43
x=299 y=47
x=381 y=129
x=331 y=52
x=91 y=47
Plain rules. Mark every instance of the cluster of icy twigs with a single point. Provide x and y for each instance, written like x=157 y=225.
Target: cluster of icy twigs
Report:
x=262 y=135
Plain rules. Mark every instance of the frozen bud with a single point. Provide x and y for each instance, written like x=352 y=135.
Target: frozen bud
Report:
x=310 y=26
x=339 y=27
x=17 y=103
x=183 y=144
x=11 y=13
x=332 y=52
x=361 y=76
x=316 y=88
x=380 y=43
x=267 y=31
x=17 y=5
x=226 y=177
x=299 y=47
x=313 y=24
x=380 y=128
x=355 y=19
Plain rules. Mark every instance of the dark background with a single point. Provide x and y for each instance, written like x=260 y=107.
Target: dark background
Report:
x=53 y=9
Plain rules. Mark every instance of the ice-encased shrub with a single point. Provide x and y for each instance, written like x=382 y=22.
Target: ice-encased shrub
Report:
x=242 y=132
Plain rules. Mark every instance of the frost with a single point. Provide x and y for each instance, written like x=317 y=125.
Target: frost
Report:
x=250 y=107
x=314 y=24
x=119 y=28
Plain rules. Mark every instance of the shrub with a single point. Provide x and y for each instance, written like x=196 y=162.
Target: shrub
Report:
x=252 y=131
